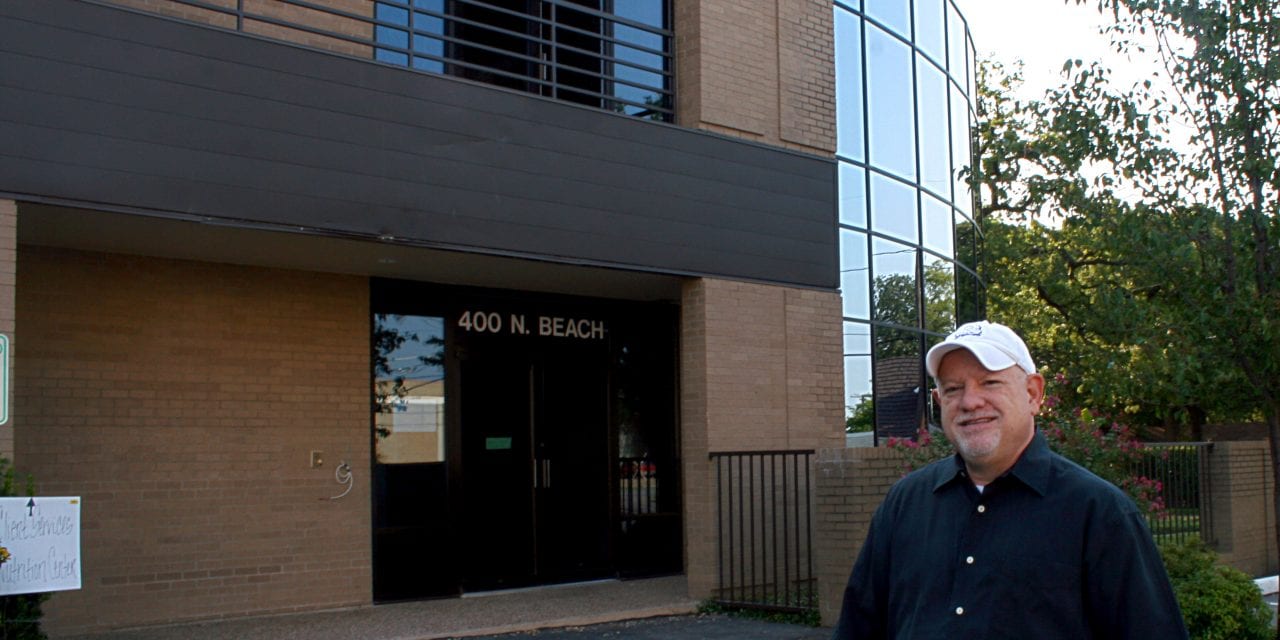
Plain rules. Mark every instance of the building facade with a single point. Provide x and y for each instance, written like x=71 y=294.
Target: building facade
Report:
x=908 y=243
x=325 y=303
x=336 y=302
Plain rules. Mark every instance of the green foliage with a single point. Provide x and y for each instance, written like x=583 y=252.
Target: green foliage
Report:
x=806 y=617
x=862 y=417
x=1092 y=440
x=19 y=614
x=1139 y=260
x=1218 y=602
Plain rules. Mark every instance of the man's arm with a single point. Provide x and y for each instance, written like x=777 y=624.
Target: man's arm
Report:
x=863 y=611
x=1127 y=590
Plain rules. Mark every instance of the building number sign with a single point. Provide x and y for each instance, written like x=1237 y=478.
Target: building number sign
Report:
x=520 y=324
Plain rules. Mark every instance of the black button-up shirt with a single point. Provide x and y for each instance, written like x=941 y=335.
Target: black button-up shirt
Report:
x=1048 y=550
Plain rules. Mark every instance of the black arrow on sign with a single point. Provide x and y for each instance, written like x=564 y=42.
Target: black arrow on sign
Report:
x=31 y=506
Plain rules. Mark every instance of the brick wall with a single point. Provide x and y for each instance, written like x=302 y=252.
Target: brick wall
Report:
x=181 y=400
x=1243 y=512
x=8 y=280
x=316 y=19
x=849 y=485
x=760 y=370
x=763 y=71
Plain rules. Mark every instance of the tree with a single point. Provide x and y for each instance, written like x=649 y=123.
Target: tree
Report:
x=1155 y=260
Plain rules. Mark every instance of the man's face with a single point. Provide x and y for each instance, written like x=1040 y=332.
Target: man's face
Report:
x=988 y=415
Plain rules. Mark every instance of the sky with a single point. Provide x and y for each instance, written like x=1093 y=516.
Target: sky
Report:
x=1044 y=34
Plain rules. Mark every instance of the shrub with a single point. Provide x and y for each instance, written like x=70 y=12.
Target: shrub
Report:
x=1218 y=602
x=19 y=614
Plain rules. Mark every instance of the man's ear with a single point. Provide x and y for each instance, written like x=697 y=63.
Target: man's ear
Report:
x=1035 y=390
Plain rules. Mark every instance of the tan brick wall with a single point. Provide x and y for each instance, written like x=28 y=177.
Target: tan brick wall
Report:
x=763 y=71
x=181 y=400
x=8 y=281
x=1243 y=512
x=849 y=484
x=760 y=370
x=320 y=20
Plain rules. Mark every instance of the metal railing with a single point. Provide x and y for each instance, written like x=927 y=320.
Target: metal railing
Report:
x=638 y=485
x=556 y=48
x=1183 y=473
x=765 y=530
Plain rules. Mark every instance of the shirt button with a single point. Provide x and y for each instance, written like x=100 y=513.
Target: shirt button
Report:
x=968 y=560
x=982 y=508
x=959 y=611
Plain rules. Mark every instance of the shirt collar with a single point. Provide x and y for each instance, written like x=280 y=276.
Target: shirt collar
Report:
x=1032 y=468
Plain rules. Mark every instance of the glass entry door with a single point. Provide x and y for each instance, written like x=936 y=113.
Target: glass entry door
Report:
x=535 y=465
x=412 y=556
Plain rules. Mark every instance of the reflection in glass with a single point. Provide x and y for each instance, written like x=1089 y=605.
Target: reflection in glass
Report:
x=894 y=291
x=638 y=69
x=899 y=388
x=853 y=195
x=930 y=29
x=853 y=274
x=890 y=98
x=392 y=37
x=935 y=158
x=895 y=14
x=857 y=381
x=937 y=225
x=969 y=305
x=956 y=44
x=960 y=154
x=408 y=388
x=939 y=295
x=893 y=208
x=849 y=120
x=966 y=240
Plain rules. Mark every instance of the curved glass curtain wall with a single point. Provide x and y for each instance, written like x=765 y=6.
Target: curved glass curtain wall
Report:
x=908 y=244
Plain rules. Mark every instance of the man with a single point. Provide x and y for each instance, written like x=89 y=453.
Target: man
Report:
x=1006 y=539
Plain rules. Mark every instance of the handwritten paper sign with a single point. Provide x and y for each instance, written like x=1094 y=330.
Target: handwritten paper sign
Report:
x=42 y=536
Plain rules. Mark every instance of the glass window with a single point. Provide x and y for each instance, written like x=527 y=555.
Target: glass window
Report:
x=899 y=388
x=427 y=27
x=408 y=389
x=931 y=29
x=973 y=70
x=890 y=116
x=966 y=242
x=853 y=274
x=859 y=406
x=850 y=126
x=939 y=295
x=638 y=72
x=960 y=155
x=935 y=154
x=956 y=44
x=895 y=14
x=893 y=208
x=857 y=374
x=968 y=297
x=390 y=36
x=937 y=226
x=853 y=195
x=894 y=291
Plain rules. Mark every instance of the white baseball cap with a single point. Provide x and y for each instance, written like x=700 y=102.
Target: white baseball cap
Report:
x=996 y=346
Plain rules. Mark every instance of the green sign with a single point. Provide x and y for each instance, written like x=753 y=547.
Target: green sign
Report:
x=497 y=444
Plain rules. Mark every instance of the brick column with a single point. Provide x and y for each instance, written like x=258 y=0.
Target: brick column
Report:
x=8 y=284
x=849 y=485
x=1240 y=490
x=760 y=370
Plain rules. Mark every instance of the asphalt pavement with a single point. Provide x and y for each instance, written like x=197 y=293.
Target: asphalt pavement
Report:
x=620 y=609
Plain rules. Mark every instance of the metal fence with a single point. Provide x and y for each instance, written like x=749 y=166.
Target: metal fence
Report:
x=1182 y=471
x=765 y=530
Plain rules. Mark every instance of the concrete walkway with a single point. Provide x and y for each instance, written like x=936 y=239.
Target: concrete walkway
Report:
x=647 y=606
